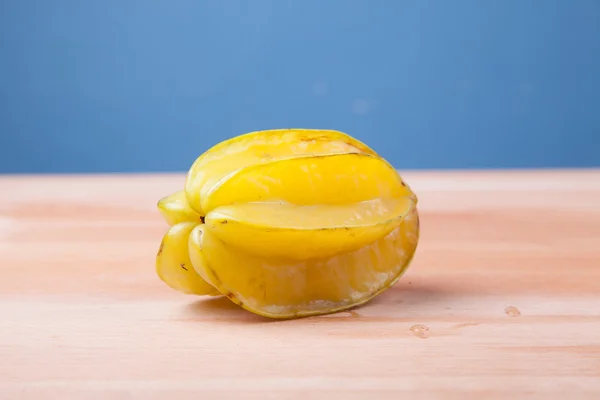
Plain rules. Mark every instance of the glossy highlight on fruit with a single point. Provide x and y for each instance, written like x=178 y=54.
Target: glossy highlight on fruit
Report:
x=289 y=223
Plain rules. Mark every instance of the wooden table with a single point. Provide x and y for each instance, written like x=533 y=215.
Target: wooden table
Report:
x=506 y=279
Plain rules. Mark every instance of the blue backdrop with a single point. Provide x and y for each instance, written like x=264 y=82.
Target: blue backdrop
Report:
x=128 y=85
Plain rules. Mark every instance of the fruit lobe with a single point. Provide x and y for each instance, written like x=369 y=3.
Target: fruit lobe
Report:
x=286 y=288
x=308 y=180
x=173 y=264
x=175 y=209
x=303 y=232
x=263 y=147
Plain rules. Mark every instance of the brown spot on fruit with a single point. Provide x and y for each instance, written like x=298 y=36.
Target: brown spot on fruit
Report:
x=183 y=266
x=231 y=297
x=214 y=275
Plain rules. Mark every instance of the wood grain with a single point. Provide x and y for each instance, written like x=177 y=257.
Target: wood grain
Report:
x=502 y=301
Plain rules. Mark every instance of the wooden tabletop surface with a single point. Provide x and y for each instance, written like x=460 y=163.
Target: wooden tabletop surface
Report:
x=501 y=301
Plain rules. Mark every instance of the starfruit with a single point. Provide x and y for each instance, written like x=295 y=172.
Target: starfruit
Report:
x=289 y=223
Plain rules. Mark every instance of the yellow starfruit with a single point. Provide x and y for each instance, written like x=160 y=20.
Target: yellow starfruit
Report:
x=289 y=223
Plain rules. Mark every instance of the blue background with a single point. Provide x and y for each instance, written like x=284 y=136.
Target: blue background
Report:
x=124 y=85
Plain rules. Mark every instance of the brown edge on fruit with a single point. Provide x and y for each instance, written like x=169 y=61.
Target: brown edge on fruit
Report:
x=161 y=247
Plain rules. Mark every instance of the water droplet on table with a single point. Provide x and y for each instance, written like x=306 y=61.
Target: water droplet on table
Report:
x=512 y=311
x=420 y=330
